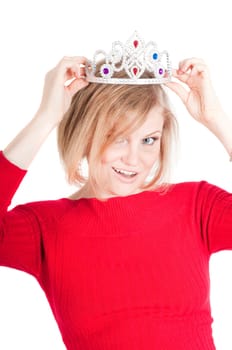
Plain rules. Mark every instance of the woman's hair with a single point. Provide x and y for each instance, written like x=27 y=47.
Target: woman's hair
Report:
x=97 y=117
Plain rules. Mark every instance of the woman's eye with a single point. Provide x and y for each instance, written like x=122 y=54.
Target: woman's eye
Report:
x=149 y=140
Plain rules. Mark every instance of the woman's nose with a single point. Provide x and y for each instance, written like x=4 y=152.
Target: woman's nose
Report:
x=130 y=155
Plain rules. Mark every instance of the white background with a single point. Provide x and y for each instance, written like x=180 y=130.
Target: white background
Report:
x=34 y=35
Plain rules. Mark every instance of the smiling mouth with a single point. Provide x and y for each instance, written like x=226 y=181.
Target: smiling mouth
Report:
x=125 y=173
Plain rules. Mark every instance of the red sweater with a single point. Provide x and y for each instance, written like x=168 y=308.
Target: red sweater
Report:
x=129 y=273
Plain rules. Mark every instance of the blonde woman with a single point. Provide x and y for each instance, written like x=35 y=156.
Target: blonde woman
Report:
x=124 y=262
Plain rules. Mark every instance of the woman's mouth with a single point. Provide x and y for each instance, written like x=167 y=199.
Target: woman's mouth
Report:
x=125 y=173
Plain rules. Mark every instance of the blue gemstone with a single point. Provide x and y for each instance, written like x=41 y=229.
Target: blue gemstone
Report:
x=155 y=56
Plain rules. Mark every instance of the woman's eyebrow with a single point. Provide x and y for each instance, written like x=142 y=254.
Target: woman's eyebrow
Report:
x=154 y=132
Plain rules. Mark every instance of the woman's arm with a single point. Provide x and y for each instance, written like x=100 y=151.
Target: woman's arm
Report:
x=61 y=83
x=193 y=85
x=21 y=236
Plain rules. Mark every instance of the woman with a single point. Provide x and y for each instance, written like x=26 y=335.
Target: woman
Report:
x=124 y=262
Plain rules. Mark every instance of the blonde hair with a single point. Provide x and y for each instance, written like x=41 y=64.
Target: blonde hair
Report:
x=96 y=118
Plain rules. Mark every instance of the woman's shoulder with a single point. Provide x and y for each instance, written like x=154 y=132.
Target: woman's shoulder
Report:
x=198 y=192
x=202 y=185
x=181 y=187
x=46 y=210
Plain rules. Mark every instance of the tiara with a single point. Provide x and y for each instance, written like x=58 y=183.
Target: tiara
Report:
x=134 y=58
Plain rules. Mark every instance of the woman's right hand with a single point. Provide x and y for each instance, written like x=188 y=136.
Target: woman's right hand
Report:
x=61 y=83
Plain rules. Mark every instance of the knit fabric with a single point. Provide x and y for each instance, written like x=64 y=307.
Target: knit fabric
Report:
x=128 y=273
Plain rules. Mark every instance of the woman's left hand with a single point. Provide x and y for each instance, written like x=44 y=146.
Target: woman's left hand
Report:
x=193 y=85
x=195 y=89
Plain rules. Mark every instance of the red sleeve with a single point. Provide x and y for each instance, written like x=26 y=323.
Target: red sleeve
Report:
x=19 y=230
x=214 y=208
x=10 y=178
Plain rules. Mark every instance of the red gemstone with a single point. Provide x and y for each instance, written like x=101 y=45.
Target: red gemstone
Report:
x=135 y=70
x=136 y=43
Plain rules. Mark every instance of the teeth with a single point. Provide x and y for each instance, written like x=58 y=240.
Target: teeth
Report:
x=125 y=172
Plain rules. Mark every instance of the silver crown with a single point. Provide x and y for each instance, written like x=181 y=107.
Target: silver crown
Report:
x=134 y=58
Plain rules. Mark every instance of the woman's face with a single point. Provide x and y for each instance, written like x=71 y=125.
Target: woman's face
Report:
x=127 y=162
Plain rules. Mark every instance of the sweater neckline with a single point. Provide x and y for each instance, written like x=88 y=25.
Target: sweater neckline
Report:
x=130 y=197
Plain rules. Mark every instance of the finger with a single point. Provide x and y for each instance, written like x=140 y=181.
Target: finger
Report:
x=74 y=72
x=72 y=63
x=186 y=64
x=71 y=72
x=82 y=72
x=181 y=76
x=76 y=85
x=178 y=89
x=199 y=69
